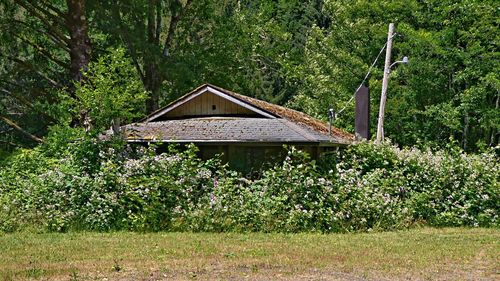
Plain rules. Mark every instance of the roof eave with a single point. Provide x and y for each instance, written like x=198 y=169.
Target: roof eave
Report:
x=319 y=142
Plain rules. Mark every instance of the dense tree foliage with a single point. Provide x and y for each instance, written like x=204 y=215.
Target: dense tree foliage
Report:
x=71 y=69
x=310 y=55
x=449 y=88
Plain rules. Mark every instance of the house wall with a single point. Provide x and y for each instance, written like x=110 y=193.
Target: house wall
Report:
x=249 y=158
x=208 y=104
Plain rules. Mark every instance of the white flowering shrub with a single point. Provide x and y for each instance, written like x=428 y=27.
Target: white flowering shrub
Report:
x=443 y=188
x=297 y=197
x=369 y=187
x=19 y=183
x=160 y=189
x=365 y=187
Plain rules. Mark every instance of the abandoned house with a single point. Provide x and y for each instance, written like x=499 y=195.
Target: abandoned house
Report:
x=247 y=132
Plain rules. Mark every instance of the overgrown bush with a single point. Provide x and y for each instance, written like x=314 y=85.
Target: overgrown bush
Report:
x=444 y=188
x=290 y=197
x=365 y=187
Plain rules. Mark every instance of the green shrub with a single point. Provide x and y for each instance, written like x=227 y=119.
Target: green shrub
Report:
x=443 y=188
x=91 y=185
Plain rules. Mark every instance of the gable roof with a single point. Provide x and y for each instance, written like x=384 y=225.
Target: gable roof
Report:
x=200 y=91
x=270 y=124
x=225 y=130
x=293 y=115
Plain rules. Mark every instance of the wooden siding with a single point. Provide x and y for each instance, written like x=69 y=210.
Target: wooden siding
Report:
x=208 y=104
x=254 y=158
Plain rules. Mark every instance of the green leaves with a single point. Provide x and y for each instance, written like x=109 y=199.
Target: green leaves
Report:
x=442 y=92
x=366 y=187
x=111 y=90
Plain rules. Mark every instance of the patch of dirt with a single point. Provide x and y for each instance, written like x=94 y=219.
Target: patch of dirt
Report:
x=476 y=270
x=236 y=274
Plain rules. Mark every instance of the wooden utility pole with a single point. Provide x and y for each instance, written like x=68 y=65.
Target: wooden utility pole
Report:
x=385 y=82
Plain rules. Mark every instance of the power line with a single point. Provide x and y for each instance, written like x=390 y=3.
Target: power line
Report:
x=362 y=82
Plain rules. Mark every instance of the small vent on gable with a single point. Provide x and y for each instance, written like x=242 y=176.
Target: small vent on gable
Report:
x=214 y=107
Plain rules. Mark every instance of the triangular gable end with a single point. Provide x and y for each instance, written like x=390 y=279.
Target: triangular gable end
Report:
x=207 y=101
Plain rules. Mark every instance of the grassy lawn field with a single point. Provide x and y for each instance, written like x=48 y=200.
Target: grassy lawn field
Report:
x=418 y=254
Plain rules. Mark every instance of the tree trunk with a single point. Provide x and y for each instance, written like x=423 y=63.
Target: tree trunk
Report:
x=151 y=70
x=153 y=78
x=79 y=44
x=116 y=127
x=493 y=135
x=19 y=129
x=153 y=86
x=79 y=49
x=465 y=133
